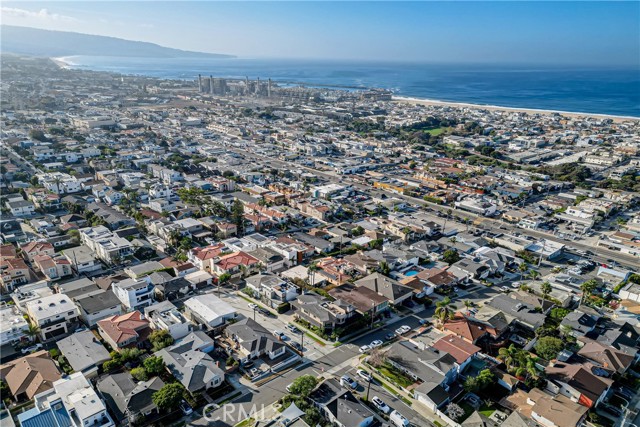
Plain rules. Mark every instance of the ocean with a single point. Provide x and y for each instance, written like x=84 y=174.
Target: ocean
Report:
x=612 y=91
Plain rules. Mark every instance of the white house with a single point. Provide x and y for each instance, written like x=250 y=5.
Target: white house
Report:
x=134 y=294
x=107 y=246
x=72 y=399
x=209 y=310
x=165 y=316
x=52 y=314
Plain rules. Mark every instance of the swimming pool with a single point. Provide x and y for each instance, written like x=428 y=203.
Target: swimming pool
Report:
x=410 y=273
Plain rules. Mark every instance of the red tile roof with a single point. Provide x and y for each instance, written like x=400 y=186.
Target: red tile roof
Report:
x=460 y=349
x=124 y=327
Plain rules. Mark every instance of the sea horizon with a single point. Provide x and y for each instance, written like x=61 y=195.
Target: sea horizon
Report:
x=570 y=89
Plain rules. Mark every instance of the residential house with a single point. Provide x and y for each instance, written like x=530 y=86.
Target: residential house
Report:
x=391 y=289
x=125 y=331
x=608 y=358
x=127 y=400
x=165 y=316
x=14 y=272
x=13 y=325
x=237 y=264
x=134 y=294
x=513 y=311
x=322 y=312
x=271 y=289
x=340 y=406
x=270 y=260
x=52 y=314
x=365 y=300
x=32 y=249
x=196 y=370
x=254 y=341
x=72 y=402
x=470 y=329
x=546 y=410
x=83 y=260
x=209 y=310
x=107 y=246
x=84 y=352
x=30 y=375
x=53 y=268
x=467 y=269
x=583 y=383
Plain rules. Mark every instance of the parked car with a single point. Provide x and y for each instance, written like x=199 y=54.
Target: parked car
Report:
x=293 y=328
x=31 y=349
x=402 y=330
x=389 y=336
x=347 y=381
x=375 y=343
x=379 y=403
x=253 y=306
x=288 y=388
x=280 y=335
x=296 y=345
x=398 y=419
x=364 y=375
x=264 y=312
x=186 y=408
x=364 y=349
x=505 y=289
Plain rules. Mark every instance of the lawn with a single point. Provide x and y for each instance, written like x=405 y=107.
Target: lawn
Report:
x=486 y=411
x=437 y=131
x=395 y=375
x=245 y=423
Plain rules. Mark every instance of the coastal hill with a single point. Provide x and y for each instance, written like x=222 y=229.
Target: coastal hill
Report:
x=37 y=42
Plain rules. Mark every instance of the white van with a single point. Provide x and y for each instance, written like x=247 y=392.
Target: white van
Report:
x=398 y=419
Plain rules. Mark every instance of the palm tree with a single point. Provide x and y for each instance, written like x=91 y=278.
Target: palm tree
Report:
x=509 y=355
x=33 y=331
x=533 y=274
x=468 y=304
x=311 y=271
x=587 y=288
x=546 y=290
x=522 y=268
x=444 y=311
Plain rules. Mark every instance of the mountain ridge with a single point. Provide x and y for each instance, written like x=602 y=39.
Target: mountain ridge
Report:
x=38 y=42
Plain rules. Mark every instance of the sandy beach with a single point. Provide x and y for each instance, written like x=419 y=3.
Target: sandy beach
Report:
x=418 y=101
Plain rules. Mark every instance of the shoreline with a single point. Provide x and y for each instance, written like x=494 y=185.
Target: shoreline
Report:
x=60 y=62
x=434 y=102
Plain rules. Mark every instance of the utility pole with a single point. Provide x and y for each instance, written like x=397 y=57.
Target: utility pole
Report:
x=373 y=306
x=254 y=314
x=369 y=387
x=302 y=343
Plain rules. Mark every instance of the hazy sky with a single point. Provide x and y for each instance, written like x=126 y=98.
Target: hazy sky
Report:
x=606 y=33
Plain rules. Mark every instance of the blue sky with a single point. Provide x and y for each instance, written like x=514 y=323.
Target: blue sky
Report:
x=603 y=33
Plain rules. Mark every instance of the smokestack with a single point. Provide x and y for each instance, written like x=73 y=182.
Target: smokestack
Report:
x=199 y=83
